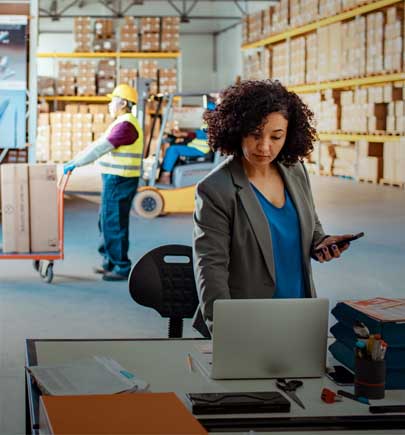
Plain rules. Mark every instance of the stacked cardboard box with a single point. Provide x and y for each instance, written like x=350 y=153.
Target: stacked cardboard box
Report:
x=312 y=58
x=394 y=162
x=148 y=70
x=150 y=34
x=86 y=78
x=393 y=39
x=129 y=40
x=323 y=53
x=267 y=21
x=297 y=61
x=350 y=4
x=43 y=140
x=82 y=34
x=129 y=76
x=328 y=8
x=344 y=160
x=167 y=80
x=104 y=36
x=98 y=126
x=375 y=41
x=255 y=23
x=327 y=156
x=81 y=131
x=309 y=11
x=245 y=29
x=46 y=85
x=170 y=34
x=65 y=84
x=280 y=16
x=303 y=12
x=329 y=52
x=29 y=205
x=106 y=76
x=396 y=117
x=370 y=160
x=335 y=49
x=354 y=114
x=280 y=63
x=326 y=108
x=61 y=136
x=257 y=66
x=353 y=57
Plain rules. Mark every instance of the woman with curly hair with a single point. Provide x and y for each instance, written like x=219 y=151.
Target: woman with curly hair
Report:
x=255 y=224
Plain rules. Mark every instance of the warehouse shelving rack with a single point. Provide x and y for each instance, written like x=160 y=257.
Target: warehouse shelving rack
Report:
x=109 y=55
x=307 y=28
x=344 y=83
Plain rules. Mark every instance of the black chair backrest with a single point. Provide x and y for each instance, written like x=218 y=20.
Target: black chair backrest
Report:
x=163 y=279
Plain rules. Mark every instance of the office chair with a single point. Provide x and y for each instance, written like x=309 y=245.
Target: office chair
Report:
x=163 y=279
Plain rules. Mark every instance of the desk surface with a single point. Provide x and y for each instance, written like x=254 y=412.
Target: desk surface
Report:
x=162 y=363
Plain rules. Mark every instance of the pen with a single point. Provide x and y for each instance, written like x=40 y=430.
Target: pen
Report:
x=353 y=397
x=190 y=363
x=361 y=350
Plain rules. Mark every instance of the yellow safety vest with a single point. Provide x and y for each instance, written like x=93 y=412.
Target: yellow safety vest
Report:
x=126 y=160
x=200 y=145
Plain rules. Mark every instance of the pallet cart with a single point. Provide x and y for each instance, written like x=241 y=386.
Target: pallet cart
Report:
x=43 y=261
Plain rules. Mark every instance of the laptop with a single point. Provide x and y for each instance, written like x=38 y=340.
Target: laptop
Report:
x=269 y=338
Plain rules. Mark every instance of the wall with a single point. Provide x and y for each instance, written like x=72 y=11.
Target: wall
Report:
x=197 y=53
x=197 y=58
x=229 y=64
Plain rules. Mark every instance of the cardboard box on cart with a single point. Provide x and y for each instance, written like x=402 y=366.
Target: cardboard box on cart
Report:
x=15 y=208
x=43 y=208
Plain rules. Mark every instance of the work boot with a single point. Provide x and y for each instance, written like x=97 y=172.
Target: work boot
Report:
x=99 y=270
x=113 y=276
x=164 y=178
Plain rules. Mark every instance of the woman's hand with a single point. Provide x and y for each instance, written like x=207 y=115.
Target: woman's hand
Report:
x=328 y=254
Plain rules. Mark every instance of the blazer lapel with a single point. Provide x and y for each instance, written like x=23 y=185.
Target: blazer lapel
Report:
x=297 y=194
x=254 y=212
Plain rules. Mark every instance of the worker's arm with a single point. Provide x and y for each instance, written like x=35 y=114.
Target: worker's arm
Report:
x=93 y=152
x=122 y=134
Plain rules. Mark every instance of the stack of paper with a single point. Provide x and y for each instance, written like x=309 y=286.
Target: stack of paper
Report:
x=96 y=375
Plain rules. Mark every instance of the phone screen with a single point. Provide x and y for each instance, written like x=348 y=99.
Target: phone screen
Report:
x=341 y=376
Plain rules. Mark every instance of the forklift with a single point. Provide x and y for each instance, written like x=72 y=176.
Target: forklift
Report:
x=154 y=199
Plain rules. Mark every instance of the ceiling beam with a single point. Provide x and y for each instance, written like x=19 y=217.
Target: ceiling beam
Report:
x=191 y=17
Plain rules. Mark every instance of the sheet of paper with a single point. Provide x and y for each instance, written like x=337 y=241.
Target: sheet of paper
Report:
x=87 y=376
x=384 y=309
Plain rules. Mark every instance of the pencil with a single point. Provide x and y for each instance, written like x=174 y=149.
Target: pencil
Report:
x=190 y=363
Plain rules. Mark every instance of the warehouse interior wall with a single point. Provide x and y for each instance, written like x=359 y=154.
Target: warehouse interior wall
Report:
x=229 y=64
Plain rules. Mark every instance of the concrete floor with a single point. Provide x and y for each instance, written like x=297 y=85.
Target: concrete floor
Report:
x=79 y=305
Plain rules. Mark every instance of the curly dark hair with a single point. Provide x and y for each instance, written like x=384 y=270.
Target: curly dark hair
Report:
x=242 y=110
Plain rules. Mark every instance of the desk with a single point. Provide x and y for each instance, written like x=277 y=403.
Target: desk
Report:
x=162 y=363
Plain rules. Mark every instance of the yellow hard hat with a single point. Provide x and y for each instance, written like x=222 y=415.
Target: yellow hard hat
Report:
x=125 y=92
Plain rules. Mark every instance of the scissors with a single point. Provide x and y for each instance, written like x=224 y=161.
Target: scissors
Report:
x=289 y=388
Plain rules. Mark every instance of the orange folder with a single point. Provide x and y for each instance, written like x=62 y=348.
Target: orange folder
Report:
x=140 y=413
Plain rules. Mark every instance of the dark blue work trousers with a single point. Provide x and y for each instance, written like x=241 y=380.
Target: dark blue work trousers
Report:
x=116 y=200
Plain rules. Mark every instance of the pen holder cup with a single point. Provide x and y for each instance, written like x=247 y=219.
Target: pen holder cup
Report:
x=369 y=378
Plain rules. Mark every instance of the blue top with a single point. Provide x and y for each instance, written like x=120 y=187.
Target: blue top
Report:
x=286 y=239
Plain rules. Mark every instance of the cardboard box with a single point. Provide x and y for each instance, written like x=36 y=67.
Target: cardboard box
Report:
x=15 y=208
x=43 y=208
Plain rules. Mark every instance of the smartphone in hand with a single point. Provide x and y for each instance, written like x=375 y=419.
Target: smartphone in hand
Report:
x=342 y=242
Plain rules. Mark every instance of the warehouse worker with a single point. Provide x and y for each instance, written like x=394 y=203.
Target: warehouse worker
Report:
x=119 y=151
x=197 y=147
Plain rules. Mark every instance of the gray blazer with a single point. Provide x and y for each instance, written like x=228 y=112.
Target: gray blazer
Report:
x=232 y=248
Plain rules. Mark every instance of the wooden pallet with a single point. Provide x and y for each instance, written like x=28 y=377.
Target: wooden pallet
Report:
x=367 y=180
x=386 y=182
